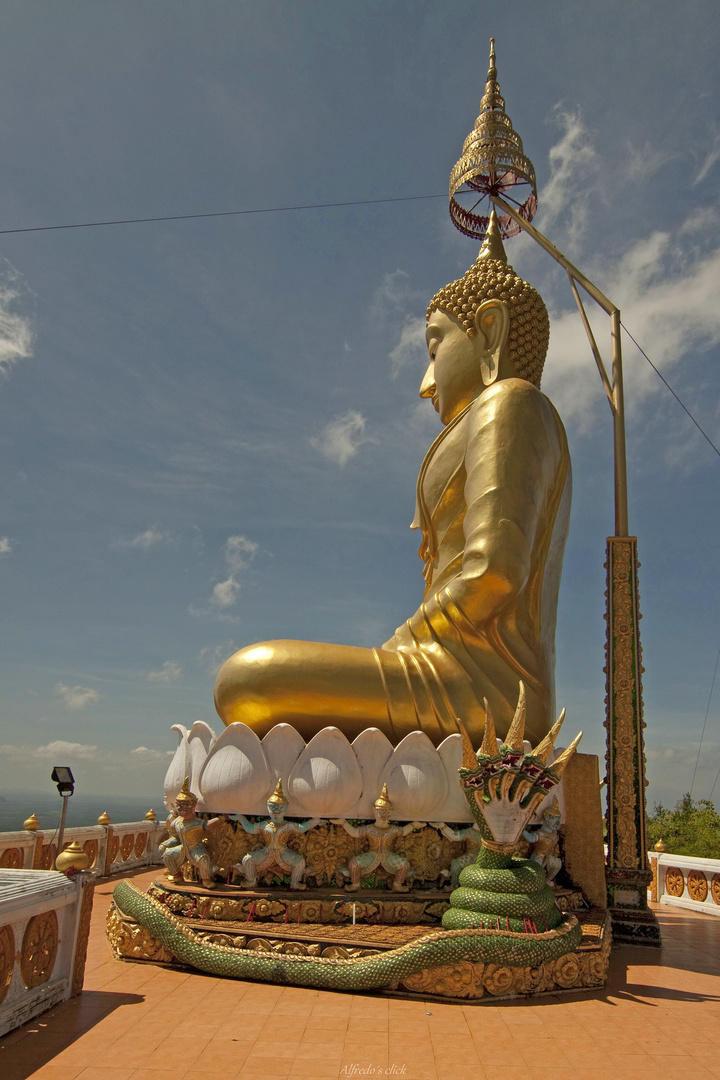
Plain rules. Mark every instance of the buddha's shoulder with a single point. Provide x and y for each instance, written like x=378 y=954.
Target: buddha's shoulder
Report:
x=514 y=397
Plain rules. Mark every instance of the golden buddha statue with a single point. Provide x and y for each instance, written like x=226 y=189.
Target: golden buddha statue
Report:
x=493 y=502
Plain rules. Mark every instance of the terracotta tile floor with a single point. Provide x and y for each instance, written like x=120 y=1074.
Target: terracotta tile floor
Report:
x=659 y=1015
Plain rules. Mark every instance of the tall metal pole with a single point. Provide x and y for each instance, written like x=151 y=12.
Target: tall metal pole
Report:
x=621 y=493
x=627 y=871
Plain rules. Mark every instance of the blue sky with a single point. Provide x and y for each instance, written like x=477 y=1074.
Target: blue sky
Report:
x=210 y=429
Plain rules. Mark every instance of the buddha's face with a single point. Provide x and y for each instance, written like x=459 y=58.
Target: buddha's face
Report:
x=454 y=375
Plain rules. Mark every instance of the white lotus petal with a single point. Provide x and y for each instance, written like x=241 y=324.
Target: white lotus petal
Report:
x=326 y=779
x=283 y=745
x=455 y=808
x=200 y=739
x=179 y=767
x=416 y=780
x=236 y=774
x=372 y=748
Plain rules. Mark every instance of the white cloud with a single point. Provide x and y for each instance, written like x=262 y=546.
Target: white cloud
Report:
x=669 y=305
x=643 y=161
x=145 y=754
x=76 y=698
x=572 y=161
x=5 y=545
x=70 y=753
x=411 y=348
x=225 y=593
x=169 y=672
x=239 y=552
x=394 y=304
x=341 y=439
x=16 y=330
x=146 y=540
x=712 y=156
x=212 y=657
x=60 y=749
x=392 y=294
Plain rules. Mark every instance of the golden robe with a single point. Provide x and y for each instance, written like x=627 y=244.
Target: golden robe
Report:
x=493 y=503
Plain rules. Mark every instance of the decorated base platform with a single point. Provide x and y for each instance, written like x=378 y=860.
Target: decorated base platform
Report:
x=380 y=917
x=275 y=923
x=373 y=907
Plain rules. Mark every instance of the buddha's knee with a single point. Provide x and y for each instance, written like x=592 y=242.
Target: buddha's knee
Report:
x=248 y=675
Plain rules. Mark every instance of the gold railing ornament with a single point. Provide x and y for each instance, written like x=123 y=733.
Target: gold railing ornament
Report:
x=31 y=824
x=72 y=859
x=492 y=164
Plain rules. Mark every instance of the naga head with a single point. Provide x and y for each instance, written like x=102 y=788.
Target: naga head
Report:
x=503 y=784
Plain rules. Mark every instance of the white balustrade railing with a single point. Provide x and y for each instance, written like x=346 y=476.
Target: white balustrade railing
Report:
x=112 y=849
x=44 y=927
x=685 y=881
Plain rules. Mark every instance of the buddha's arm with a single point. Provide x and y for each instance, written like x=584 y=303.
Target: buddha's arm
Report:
x=514 y=451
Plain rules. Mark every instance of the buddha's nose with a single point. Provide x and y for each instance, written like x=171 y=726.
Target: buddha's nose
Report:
x=427 y=386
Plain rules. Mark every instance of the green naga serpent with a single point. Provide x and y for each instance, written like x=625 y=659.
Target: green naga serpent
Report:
x=503 y=911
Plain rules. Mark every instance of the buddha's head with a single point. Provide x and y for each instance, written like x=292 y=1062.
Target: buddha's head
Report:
x=486 y=326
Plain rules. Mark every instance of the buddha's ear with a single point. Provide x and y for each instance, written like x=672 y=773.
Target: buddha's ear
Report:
x=492 y=321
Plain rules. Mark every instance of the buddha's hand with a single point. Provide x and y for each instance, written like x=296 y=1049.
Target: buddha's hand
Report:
x=401 y=639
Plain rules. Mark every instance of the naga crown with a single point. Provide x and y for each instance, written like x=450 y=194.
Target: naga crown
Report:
x=503 y=784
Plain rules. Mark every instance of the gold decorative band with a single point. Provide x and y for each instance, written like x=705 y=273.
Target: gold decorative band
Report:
x=499 y=849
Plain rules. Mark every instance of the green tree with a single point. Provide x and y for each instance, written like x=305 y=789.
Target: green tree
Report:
x=690 y=829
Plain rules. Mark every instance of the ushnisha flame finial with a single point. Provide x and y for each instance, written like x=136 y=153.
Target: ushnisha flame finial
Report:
x=492 y=163
x=504 y=785
x=492 y=246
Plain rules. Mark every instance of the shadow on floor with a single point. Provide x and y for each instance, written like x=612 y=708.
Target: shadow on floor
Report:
x=37 y=1043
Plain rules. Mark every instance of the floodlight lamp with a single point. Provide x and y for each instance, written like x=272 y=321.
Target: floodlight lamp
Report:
x=63 y=777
